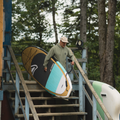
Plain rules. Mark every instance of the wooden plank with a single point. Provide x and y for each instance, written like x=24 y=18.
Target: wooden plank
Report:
x=52 y=106
x=55 y=114
x=61 y=114
x=55 y=106
x=0 y=109
x=50 y=98
x=23 y=84
x=1 y=39
x=82 y=60
x=91 y=102
x=53 y=118
x=17 y=95
x=46 y=98
x=31 y=90
x=91 y=88
x=26 y=81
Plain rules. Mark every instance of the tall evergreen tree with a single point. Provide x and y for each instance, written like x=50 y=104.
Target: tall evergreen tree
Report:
x=106 y=43
x=29 y=25
x=54 y=21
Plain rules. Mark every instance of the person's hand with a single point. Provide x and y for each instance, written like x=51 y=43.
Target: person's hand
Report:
x=45 y=69
x=72 y=63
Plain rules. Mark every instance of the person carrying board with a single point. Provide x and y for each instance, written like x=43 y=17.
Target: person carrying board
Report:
x=60 y=51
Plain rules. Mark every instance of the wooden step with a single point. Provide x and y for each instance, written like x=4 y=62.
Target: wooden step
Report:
x=26 y=81
x=54 y=114
x=49 y=98
x=52 y=106
x=31 y=90
x=55 y=106
x=30 y=82
x=46 y=98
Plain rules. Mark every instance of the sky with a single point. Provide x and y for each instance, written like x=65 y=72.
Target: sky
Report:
x=58 y=20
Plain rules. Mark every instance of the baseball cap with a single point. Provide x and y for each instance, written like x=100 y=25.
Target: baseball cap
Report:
x=64 y=39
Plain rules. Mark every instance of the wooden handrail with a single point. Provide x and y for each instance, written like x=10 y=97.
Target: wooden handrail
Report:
x=23 y=84
x=17 y=92
x=91 y=88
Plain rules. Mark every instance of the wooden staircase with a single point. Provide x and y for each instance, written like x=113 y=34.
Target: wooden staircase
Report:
x=42 y=105
x=48 y=107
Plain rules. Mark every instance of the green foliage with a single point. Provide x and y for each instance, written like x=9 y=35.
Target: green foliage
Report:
x=117 y=83
x=30 y=27
x=29 y=23
x=93 y=69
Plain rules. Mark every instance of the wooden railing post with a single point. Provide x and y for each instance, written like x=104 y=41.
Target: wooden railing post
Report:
x=92 y=89
x=9 y=64
x=1 y=98
x=16 y=96
x=27 y=108
x=84 y=56
x=33 y=110
x=80 y=92
x=94 y=108
x=81 y=80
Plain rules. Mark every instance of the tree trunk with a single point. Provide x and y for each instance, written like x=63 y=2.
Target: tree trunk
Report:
x=83 y=29
x=102 y=36
x=106 y=43
x=40 y=39
x=54 y=23
x=110 y=43
x=83 y=24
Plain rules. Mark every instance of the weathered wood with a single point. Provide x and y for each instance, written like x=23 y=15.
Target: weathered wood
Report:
x=62 y=114
x=91 y=88
x=1 y=38
x=46 y=98
x=31 y=90
x=0 y=82
x=23 y=84
x=27 y=82
x=55 y=114
x=0 y=109
x=53 y=118
x=82 y=60
x=17 y=94
x=91 y=102
x=55 y=106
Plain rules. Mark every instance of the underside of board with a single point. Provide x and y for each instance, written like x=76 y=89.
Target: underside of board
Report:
x=56 y=80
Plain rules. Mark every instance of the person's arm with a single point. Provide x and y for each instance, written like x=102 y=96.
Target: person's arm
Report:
x=47 y=58
x=70 y=55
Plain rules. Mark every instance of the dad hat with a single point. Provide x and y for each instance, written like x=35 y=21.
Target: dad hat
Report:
x=64 y=39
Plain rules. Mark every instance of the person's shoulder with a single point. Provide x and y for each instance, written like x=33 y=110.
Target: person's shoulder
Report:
x=67 y=48
x=56 y=46
x=53 y=46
